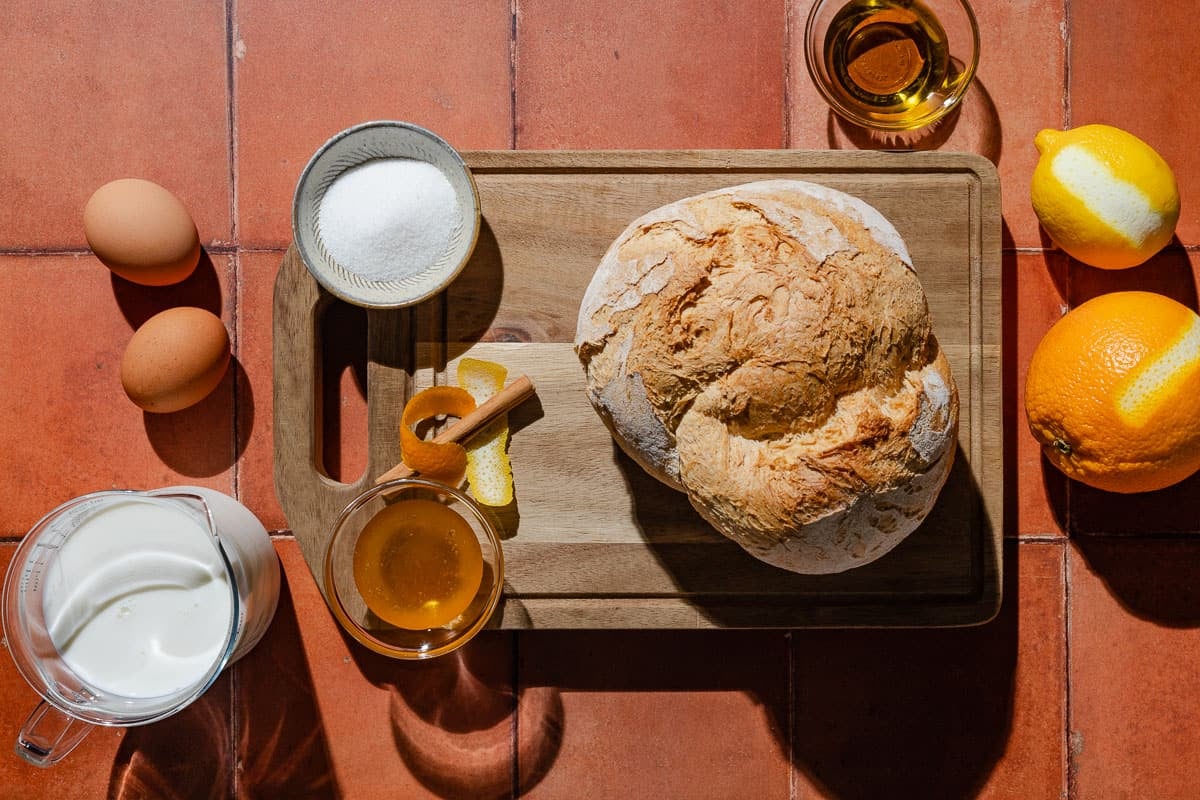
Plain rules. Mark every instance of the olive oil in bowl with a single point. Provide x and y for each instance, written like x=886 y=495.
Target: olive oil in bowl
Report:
x=888 y=63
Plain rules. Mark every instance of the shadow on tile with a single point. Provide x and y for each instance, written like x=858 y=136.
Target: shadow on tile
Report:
x=1175 y=509
x=453 y=718
x=201 y=289
x=186 y=755
x=974 y=124
x=1155 y=579
x=343 y=338
x=906 y=713
x=1061 y=274
x=282 y=749
x=1169 y=272
x=199 y=441
x=652 y=711
x=1058 y=487
x=1009 y=412
x=1054 y=483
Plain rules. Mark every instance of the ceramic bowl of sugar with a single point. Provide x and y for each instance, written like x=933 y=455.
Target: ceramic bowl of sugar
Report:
x=385 y=214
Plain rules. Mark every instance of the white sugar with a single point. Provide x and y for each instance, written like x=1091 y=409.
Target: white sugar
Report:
x=388 y=218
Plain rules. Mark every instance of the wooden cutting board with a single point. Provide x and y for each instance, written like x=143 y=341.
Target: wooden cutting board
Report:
x=591 y=541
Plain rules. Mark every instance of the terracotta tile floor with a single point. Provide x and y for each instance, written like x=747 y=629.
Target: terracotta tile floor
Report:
x=1084 y=686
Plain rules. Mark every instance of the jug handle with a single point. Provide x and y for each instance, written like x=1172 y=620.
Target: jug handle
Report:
x=48 y=735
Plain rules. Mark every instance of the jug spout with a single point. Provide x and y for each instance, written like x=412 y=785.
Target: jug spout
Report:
x=48 y=735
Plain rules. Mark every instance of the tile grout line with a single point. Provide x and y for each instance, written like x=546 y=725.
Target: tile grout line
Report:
x=236 y=316
x=216 y=248
x=1037 y=538
x=212 y=249
x=235 y=292
x=234 y=731
x=231 y=88
x=235 y=288
x=227 y=249
x=1066 y=34
x=45 y=251
x=1060 y=541
x=515 y=744
x=1068 y=523
x=787 y=73
x=244 y=249
x=512 y=73
x=1068 y=757
x=793 y=789
x=1126 y=536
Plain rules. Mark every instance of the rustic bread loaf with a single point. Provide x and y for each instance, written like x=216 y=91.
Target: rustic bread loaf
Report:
x=767 y=348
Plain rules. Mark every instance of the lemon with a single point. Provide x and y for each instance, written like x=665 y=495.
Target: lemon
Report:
x=489 y=471
x=1103 y=195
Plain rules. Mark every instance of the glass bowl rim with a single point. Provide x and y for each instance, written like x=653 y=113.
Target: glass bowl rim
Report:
x=816 y=71
x=360 y=634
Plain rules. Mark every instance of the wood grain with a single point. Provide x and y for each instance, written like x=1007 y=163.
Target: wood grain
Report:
x=591 y=540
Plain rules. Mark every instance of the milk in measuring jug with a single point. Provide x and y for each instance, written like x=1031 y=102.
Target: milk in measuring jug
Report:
x=138 y=602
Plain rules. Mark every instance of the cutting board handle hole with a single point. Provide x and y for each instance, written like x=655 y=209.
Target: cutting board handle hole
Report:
x=341 y=401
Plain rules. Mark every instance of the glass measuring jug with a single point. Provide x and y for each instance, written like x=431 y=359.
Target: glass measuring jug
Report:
x=120 y=608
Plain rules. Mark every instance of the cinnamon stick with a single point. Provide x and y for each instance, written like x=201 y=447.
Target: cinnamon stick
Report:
x=461 y=431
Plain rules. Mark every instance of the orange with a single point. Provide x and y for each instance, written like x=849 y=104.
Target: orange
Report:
x=1113 y=392
x=438 y=461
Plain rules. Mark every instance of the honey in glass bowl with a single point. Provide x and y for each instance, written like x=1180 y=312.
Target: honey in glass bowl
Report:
x=417 y=564
x=413 y=568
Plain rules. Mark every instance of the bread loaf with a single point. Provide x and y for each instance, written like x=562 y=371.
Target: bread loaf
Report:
x=767 y=349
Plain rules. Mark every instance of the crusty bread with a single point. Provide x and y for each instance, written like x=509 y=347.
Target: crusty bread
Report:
x=767 y=349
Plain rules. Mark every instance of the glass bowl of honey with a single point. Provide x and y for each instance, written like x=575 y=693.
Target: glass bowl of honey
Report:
x=413 y=569
x=892 y=65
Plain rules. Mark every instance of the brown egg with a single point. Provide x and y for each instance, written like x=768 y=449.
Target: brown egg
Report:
x=141 y=232
x=175 y=359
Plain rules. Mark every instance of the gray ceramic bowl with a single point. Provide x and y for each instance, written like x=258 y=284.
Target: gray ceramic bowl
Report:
x=357 y=145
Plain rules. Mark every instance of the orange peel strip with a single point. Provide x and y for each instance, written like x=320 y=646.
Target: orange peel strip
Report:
x=489 y=472
x=445 y=461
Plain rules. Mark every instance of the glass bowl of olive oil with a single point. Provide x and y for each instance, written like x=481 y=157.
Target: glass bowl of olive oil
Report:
x=413 y=569
x=892 y=65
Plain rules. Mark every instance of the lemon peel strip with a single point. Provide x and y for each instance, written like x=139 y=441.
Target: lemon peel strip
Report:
x=1157 y=379
x=1117 y=203
x=489 y=472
